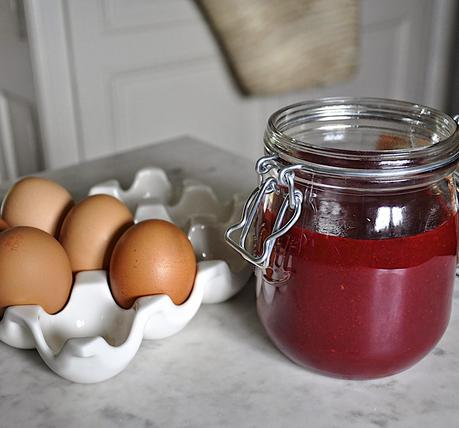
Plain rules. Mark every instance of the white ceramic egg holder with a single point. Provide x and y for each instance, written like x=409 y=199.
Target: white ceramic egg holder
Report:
x=92 y=339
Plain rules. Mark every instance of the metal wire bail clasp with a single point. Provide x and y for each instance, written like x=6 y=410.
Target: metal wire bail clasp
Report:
x=268 y=184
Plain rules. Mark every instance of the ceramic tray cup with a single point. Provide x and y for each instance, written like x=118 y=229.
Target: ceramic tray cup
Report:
x=92 y=338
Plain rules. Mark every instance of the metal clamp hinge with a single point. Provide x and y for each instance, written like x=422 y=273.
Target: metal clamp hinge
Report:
x=293 y=200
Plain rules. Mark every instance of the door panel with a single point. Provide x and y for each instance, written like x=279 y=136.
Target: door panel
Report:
x=147 y=70
x=188 y=95
x=140 y=14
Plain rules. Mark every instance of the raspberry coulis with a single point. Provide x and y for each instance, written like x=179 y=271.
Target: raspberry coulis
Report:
x=358 y=308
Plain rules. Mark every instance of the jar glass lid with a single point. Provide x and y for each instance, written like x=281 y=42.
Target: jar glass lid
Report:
x=366 y=134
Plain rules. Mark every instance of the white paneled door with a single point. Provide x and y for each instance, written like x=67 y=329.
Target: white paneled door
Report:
x=117 y=74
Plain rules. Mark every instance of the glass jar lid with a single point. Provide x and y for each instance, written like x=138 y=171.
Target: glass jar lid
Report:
x=363 y=137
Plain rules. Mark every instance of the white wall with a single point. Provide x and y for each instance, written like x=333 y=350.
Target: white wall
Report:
x=116 y=74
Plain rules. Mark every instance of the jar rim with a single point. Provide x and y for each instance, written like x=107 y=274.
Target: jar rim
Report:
x=355 y=114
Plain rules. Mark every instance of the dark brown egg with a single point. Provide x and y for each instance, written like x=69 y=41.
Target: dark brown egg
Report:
x=152 y=257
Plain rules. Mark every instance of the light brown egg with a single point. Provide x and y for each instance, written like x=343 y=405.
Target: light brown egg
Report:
x=36 y=202
x=34 y=269
x=91 y=229
x=152 y=257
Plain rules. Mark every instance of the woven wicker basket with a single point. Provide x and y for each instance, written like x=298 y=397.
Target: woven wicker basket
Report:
x=277 y=46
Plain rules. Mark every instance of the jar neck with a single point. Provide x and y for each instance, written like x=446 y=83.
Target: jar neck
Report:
x=364 y=141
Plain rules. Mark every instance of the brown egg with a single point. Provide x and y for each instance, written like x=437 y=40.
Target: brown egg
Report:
x=91 y=229
x=152 y=257
x=34 y=269
x=36 y=202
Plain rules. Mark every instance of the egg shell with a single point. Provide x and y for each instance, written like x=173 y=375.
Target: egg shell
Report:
x=152 y=257
x=91 y=229
x=36 y=202
x=34 y=269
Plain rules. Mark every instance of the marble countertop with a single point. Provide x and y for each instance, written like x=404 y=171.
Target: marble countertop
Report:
x=221 y=370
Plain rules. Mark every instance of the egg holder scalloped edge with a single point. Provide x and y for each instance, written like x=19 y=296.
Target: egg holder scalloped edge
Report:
x=93 y=339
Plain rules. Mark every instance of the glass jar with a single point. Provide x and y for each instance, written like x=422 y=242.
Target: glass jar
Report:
x=353 y=232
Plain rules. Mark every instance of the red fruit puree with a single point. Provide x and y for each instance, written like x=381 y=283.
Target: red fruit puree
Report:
x=357 y=308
